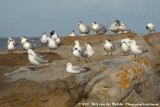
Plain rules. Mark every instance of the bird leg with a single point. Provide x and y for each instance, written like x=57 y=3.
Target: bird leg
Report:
x=85 y=60
x=111 y=53
x=78 y=58
x=107 y=53
x=35 y=67
x=89 y=60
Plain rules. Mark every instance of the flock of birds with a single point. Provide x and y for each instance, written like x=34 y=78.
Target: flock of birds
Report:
x=128 y=45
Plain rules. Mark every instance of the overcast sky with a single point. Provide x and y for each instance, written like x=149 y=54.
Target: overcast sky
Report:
x=31 y=18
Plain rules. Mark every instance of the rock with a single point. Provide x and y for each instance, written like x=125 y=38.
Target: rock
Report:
x=111 y=79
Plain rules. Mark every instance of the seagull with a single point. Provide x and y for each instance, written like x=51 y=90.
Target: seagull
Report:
x=14 y=42
x=83 y=29
x=54 y=35
x=99 y=28
x=27 y=45
x=109 y=46
x=136 y=49
x=43 y=39
x=150 y=27
x=35 y=58
x=76 y=69
x=11 y=46
x=77 y=45
x=87 y=52
x=72 y=33
x=52 y=44
x=77 y=53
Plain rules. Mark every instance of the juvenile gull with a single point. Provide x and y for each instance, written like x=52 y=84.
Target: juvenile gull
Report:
x=35 y=58
x=87 y=52
x=150 y=27
x=76 y=69
x=136 y=49
x=43 y=39
x=83 y=29
x=109 y=46
x=99 y=28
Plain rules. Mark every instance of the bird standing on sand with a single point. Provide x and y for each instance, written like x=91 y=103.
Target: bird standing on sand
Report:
x=76 y=69
x=43 y=39
x=52 y=44
x=150 y=27
x=83 y=29
x=99 y=28
x=72 y=33
x=109 y=46
x=35 y=58
x=137 y=50
x=11 y=46
x=125 y=48
x=54 y=35
x=87 y=52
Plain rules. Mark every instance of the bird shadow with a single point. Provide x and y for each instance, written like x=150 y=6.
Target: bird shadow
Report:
x=31 y=68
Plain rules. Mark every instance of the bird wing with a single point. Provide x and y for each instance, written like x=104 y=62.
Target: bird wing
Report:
x=84 y=53
x=39 y=59
x=141 y=49
x=113 y=46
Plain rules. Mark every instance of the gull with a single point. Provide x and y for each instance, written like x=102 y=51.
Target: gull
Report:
x=43 y=39
x=77 y=45
x=52 y=44
x=72 y=33
x=76 y=69
x=54 y=35
x=150 y=27
x=83 y=29
x=27 y=45
x=35 y=58
x=87 y=52
x=14 y=42
x=136 y=49
x=109 y=46
x=77 y=53
x=11 y=46
x=99 y=28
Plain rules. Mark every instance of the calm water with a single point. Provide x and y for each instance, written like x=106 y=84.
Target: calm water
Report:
x=4 y=41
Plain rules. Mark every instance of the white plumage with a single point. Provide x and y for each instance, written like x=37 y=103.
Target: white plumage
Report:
x=99 y=28
x=54 y=35
x=72 y=33
x=43 y=39
x=150 y=27
x=52 y=44
x=83 y=29
x=77 y=45
x=109 y=46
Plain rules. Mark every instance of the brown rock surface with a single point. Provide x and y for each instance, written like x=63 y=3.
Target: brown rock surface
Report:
x=111 y=79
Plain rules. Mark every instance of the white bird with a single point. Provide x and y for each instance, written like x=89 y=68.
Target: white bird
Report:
x=77 y=53
x=43 y=39
x=27 y=45
x=14 y=42
x=119 y=27
x=76 y=69
x=54 y=35
x=35 y=58
x=72 y=33
x=99 y=28
x=150 y=27
x=87 y=52
x=23 y=40
x=77 y=45
x=83 y=29
x=109 y=46
x=11 y=46
x=136 y=50
x=125 y=48
x=52 y=44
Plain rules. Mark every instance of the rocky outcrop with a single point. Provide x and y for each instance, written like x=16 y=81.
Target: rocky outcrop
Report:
x=114 y=78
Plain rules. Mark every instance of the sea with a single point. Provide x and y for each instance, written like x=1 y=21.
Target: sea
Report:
x=4 y=41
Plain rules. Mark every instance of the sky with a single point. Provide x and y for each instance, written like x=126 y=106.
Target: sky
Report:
x=31 y=18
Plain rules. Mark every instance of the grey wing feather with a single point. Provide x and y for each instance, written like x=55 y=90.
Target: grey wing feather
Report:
x=40 y=60
x=141 y=49
x=84 y=53
x=113 y=47
x=76 y=68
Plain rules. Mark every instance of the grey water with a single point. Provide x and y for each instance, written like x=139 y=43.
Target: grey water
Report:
x=4 y=42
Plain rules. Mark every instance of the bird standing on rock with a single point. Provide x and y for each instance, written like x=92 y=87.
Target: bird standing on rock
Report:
x=35 y=58
x=87 y=52
x=83 y=29
x=150 y=27
x=53 y=35
x=76 y=69
x=109 y=46
x=43 y=39
x=99 y=28
x=52 y=44
x=72 y=33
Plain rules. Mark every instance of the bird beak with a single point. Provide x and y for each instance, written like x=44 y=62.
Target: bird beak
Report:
x=84 y=46
x=131 y=38
x=78 y=24
x=105 y=42
x=20 y=39
x=91 y=24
